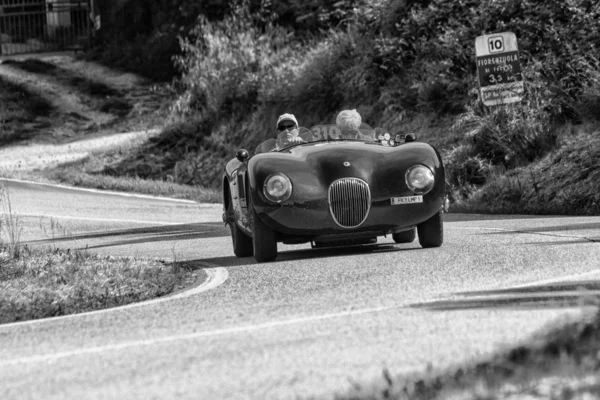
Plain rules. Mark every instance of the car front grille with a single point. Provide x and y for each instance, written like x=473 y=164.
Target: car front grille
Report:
x=349 y=202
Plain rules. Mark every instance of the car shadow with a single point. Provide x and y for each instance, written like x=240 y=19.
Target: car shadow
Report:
x=309 y=253
x=547 y=296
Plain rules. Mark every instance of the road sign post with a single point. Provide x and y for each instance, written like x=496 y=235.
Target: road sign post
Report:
x=499 y=69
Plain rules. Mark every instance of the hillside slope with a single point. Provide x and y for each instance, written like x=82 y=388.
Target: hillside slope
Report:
x=67 y=120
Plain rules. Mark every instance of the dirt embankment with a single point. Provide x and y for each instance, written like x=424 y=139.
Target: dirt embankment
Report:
x=74 y=106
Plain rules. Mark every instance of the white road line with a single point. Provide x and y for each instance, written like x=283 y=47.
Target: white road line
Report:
x=92 y=219
x=146 y=222
x=141 y=196
x=216 y=276
x=191 y=336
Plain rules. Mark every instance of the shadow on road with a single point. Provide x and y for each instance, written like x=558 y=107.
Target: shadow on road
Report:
x=551 y=231
x=555 y=228
x=462 y=217
x=555 y=295
x=145 y=235
x=307 y=254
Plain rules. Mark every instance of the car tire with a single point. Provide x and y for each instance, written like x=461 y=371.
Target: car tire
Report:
x=263 y=241
x=242 y=243
x=404 y=237
x=431 y=232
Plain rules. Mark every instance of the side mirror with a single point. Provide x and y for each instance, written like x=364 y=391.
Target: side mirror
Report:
x=242 y=155
x=410 y=137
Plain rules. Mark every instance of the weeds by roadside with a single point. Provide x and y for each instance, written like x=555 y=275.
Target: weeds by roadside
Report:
x=44 y=283
x=49 y=281
x=562 y=183
x=10 y=231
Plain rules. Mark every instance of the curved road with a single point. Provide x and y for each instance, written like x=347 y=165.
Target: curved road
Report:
x=309 y=324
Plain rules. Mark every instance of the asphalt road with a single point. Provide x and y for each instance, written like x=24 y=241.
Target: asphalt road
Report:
x=309 y=324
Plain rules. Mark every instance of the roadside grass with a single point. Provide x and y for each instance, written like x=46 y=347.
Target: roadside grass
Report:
x=40 y=282
x=88 y=159
x=22 y=114
x=106 y=98
x=72 y=175
x=18 y=104
x=44 y=283
x=86 y=163
x=563 y=363
x=563 y=182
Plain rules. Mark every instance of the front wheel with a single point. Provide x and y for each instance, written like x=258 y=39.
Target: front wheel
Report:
x=431 y=232
x=264 y=241
x=242 y=244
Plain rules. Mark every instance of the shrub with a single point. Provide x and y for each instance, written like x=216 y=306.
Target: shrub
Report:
x=514 y=134
x=227 y=64
x=588 y=103
x=465 y=172
x=563 y=182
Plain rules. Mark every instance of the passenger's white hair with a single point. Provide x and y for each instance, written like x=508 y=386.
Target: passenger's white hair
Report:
x=348 y=119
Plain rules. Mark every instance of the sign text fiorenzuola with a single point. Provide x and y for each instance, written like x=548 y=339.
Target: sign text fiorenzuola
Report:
x=497 y=60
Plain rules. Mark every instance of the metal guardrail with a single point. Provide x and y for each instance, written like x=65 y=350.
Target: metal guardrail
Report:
x=28 y=26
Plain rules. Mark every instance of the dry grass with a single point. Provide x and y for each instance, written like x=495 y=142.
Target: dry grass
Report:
x=42 y=283
x=45 y=282
x=563 y=182
x=73 y=148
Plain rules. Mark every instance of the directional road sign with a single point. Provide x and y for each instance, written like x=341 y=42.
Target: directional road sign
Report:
x=499 y=69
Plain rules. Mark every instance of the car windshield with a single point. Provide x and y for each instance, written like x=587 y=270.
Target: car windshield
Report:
x=318 y=133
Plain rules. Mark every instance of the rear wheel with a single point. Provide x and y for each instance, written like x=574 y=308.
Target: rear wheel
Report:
x=242 y=244
x=263 y=240
x=404 y=237
x=431 y=232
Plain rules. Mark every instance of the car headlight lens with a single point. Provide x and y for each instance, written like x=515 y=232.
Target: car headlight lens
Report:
x=277 y=188
x=420 y=179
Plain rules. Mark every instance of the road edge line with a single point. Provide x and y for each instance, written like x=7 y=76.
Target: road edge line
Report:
x=216 y=276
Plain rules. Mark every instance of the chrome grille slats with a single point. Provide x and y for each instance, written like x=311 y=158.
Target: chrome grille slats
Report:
x=349 y=202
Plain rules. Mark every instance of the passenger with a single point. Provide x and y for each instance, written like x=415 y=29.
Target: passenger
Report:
x=351 y=126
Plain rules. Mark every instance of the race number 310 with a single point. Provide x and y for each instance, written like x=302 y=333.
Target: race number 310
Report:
x=496 y=44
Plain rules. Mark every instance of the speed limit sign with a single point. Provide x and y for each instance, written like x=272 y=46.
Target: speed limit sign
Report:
x=499 y=69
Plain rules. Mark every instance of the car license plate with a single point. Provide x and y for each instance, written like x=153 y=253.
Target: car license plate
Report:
x=407 y=200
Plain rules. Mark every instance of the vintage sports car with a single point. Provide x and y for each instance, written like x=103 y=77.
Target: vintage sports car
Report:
x=330 y=189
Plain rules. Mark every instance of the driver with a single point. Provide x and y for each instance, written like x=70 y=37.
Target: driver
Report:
x=288 y=131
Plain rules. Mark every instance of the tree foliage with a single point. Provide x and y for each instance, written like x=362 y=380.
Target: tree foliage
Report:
x=239 y=63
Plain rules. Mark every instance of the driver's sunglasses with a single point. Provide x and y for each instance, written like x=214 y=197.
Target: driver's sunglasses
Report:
x=284 y=127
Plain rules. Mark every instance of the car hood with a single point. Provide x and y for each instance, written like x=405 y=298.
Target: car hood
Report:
x=317 y=165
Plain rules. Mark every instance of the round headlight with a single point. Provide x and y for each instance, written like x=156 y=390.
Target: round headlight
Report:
x=277 y=188
x=419 y=179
